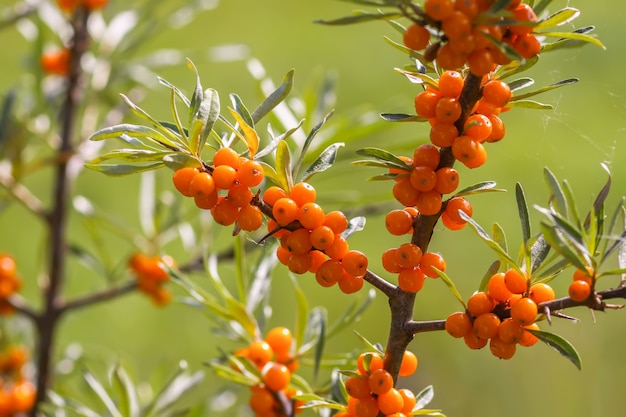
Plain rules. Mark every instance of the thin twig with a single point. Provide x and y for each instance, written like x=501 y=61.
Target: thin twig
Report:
x=98 y=297
x=23 y=195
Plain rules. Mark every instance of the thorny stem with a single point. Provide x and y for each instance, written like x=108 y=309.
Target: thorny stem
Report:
x=48 y=320
x=402 y=303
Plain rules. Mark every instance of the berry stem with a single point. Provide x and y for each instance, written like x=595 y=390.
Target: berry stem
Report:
x=48 y=319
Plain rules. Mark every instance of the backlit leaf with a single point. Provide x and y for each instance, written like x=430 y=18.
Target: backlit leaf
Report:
x=324 y=161
x=559 y=18
x=561 y=345
x=275 y=98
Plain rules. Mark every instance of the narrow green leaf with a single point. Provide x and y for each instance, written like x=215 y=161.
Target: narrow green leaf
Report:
x=271 y=147
x=252 y=137
x=130 y=399
x=499 y=236
x=575 y=36
x=241 y=109
x=413 y=54
x=169 y=140
x=121 y=170
x=530 y=104
x=131 y=155
x=302 y=313
x=227 y=373
x=399 y=117
x=359 y=18
x=538 y=253
x=307 y=143
x=520 y=83
x=598 y=203
x=481 y=187
x=179 y=385
x=353 y=313
x=517 y=67
x=271 y=174
x=524 y=216
x=101 y=393
x=493 y=269
x=418 y=78
x=561 y=345
x=196 y=98
x=574 y=235
x=356 y=224
x=372 y=347
x=143 y=133
x=324 y=161
x=283 y=166
x=176 y=90
x=556 y=241
x=317 y=322
x=557 y=198
x=275 y=98
x=450 y=284
x=567 y=43
x=383 y=155
x=559 y=18
x=379 y=164
x=424 y=397
x=550 y=87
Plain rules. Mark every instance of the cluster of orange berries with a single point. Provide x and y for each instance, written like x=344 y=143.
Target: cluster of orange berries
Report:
x=275 y=360
x=582 y=284
x=371 y=388
x=508 y=295
x=316 y=243
x=465 y=38
x=17 y=394
x=224 y=188
x=71 y=5
x=10 y=282
x=412 y=266
x=151 y=276
x=442 y=107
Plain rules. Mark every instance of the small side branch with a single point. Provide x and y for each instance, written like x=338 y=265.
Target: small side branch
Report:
x=98 y=297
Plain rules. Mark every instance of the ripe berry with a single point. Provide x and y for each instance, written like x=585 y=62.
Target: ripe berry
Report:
x=279 y=339
x=303 y=193
x=486 y=325
x=451 y=84
x=411 y=279
x=224 y=176
x=515 y=281
x=438 y=9
x=409 y=255
x=182 y=179
x=226 y=156
x=355 y=263
x=311 y=215
x=56 y=62
x=380 y=381
x=480 y=303
x=337 y=221
x=409 y=401
x=398 y=222
x=202 y=184
x=523 y=13
x=497 y=288
x=338 y=248
x=366 y=407
x=541 y=292
x=285 y=210
x=261 y=400
x=390 y=402
x=260 y=353
x=349 y=284
x=497 y=93
x=500 y=349
x=329 y=273
x=250 y=173
x=443 y=134
x=357 y=387
x=369 y=362
x=524 y=311
x=240 y=195
x=510 y=331
x=430 y=260
x=322 y=237
x=474 y=342
x=448 y=110
x=447 y=180
x=276 y=376
x=457 y=204
x=426 y=155
x=299 y=241
x=416 y=37
x=408 y=366
x=527 y=46
x=426 y=103
x=390 y=261
x=273 y=194
x=478 y=127
x=579 y=290
x=224 y=212
x=458 y=324
x=250 y=218
x=529 y=339
x=429 y=203
x=405 y=193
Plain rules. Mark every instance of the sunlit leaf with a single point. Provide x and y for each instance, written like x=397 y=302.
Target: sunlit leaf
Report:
x=121 y=169
x=538 y=252
x=302 y=313
x=559 y=18
x=522 y=209
x=356 y=224
x=489 y=241
x=275 y=98
x=567 y=43
x=520 y=83
x=418 y=78
x=451 y=286
x=575 y=36
x=481 y=187
x=129 y=405
x=522 y=97
x=324 y=161
x=359 y=18
x=493 y=269
x=308 y=141
x=557 y=198
x=399 y=117
x=530 y=104
x=283 y=166
x=557 y=242
x=424 y=397
x=561 y=345
x=102 y=394
x=252 y=137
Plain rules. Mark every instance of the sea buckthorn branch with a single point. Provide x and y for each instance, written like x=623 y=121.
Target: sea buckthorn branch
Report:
x=23 y=195
x=49 y=317
x=97 y=297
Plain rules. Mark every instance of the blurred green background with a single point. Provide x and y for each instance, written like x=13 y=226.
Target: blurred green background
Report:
x=584 y=130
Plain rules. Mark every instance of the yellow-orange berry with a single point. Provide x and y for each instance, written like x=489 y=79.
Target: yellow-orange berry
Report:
x=458 y=324
x=579 y=290
x=524 y=311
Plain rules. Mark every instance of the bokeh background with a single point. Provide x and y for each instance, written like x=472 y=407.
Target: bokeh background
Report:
x=585 y=129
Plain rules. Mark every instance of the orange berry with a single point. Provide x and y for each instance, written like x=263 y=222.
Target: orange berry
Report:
x=411 y=279
x=338 y=248
x=405 y=193
x=448 y=223
x=390 y=261
x=426 y=155
x=510 y=331
x=224 y=212
x=430 y=260
x=529 y=339
x=457 y=204
x=240 y=195
x=261 y=400
x=486 y=325
x=409 y=400
x=586 y=275
x=451 y=84
x=250 y=173
x=423 y=178
x=481 y=62
x=250 y=218
x=380 y=381
x=299 y=263
x=448 y=58
x=202 y=184
x=457 y=26
x=276 y=376
x=448 y=110
x=527 y=46
x=480 y=303
x=464 y=148
x=426 y=103
x=474 y=342
x=443 y=134
x=355 y=263
x=579 y=290
x=416 y=37
x=260 y=353
x=224 y=176
x=349 y=284
x=311 y=215
x=182 y=179
x=498 y=129
x=22 y=396
x=322 y=237
x=438 y=9
x=409 y=255
x=303 y=193
x=497 y=93
x=468 y=7
x=337 y=221
x=56 y=62
x=273 y=194
x=478 y=127
x=479 y=158
x=299 y=241
x=515 y=281
x=329 y=273
x=285 y=210
x=523 y=13
x=279 y=339
x=458 y=324
x=429 y=203
x=68 y=5
x=369 y=362
x=366 y=407
x=8 y=266
x=226 y=156
x=317 y=259
x=497 y=288
x=206 y=201
x=390 y=402
x=398 y=222
x=524 y=311
x=500 y=349
x=357 y=387
x=409 y=363
x=541 y=292
x=447 y=180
